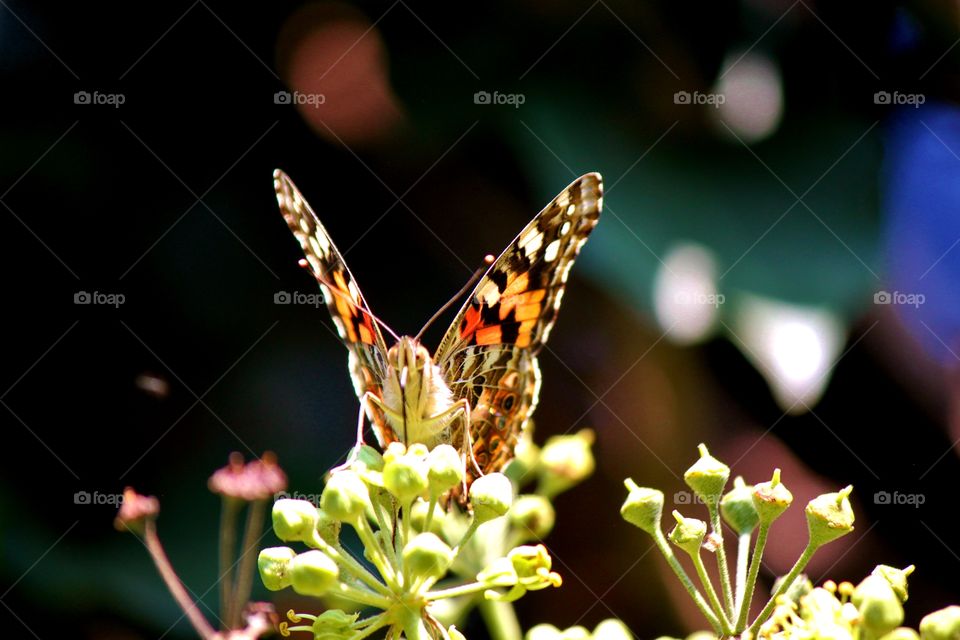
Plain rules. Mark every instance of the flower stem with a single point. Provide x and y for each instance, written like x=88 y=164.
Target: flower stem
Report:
x=721 y=556
x=751 y=581
x=711 y=592
x=343 y=558
x=177 y=590
x=248 y=558
x=743 y=559
x=501 y=620
x=667 y=552
x=228 y=540
x=457 y=591
x=784 y=585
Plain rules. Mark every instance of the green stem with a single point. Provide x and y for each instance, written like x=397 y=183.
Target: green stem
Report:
x=751 y=581
x=501 y=620
x=228 y=540
x=743 y=560
x=667 y=552
x=472 y=529
x=721 y=557
x=430 y=508
x=342 y=557
x=248 y=558
x=376 y=553
x=784 y=585
x=711 y=592
x=363 y=596
x=371 y=625
x=457 y=591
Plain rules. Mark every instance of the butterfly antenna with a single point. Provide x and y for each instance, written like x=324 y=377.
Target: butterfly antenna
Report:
x=337 y=292
x=487 y=261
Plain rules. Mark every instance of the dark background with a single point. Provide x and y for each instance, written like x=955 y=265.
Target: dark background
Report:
x=167 y=200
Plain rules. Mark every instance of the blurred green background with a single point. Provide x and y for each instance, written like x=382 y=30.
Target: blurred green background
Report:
x=774 y=273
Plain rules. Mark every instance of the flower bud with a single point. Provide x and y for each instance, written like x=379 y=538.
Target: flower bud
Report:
x=771 y=499
x=576 y=632
x=941 y=625
x=896 y=577
x=455 y=634
x=612 y=629
x=500 y=573
x=294 y=520
x=334 y=624
x=345 y=497
x=543 y=632
x=532 y=564
x=526 y=458
x=445 y=469
x=274 y=566
x=491 y=497
x=902 y=633
x=405 y=476
x=688 y=533
x=879 y=607
x=533 y=515
x=707 y=477
x=427 y=556
x=643 y=507
x=830 y=516
x=313 y=573
x=737 y=507
x=565 y=461
x=328 y=528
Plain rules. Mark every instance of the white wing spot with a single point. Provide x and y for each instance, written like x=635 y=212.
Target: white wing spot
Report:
x=531 y=242
x=571 y=209
x=564 y=228
x=550 y=254
x=489 y=294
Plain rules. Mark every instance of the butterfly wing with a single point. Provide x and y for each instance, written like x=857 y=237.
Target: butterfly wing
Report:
x=357 y=329
x=489 y=353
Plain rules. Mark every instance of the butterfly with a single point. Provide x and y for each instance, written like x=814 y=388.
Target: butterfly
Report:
x=478 y=390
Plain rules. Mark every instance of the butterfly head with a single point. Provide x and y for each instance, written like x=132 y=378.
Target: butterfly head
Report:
x=408 y=360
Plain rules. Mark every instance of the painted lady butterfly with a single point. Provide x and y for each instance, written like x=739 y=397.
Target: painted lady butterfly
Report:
x=484 y=375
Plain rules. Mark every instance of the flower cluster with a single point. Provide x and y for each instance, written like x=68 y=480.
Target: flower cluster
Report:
x=745 y=509
x=427 y=560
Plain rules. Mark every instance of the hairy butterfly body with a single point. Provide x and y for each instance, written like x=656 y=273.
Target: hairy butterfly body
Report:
x=483 y=382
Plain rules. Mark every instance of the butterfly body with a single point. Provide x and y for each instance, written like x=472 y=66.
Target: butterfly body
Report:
x=481 y=385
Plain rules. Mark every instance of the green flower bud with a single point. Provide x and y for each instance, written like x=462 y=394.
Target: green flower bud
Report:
x=427 y=557
x=543 y=632
x=445 y=469
x=566 y=461
x=345 y=497
x=534 y=515
x=830 y=516
x=334 y=624
x=643 y=507
x=368 y=459
x=575 y=633
x=313 y=573
x=688 y=534
x=294 y=520
x=418 y=516
x=820 y=604
x=274 y=566
x=405 y=476
x=526 y=458
x=500 y=573
x=771 y=499
x=902 y=633
x=328 y=528
x=707 y=477
x=612 y=629
x=491 y=496
x=737 y=507
x=532 y=564
x=394 y=450
x=455 y=634
x=880 y=608
x=941 y=625
x=896 y=577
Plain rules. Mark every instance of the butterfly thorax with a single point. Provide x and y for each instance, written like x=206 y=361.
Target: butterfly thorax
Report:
x=415 y=392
